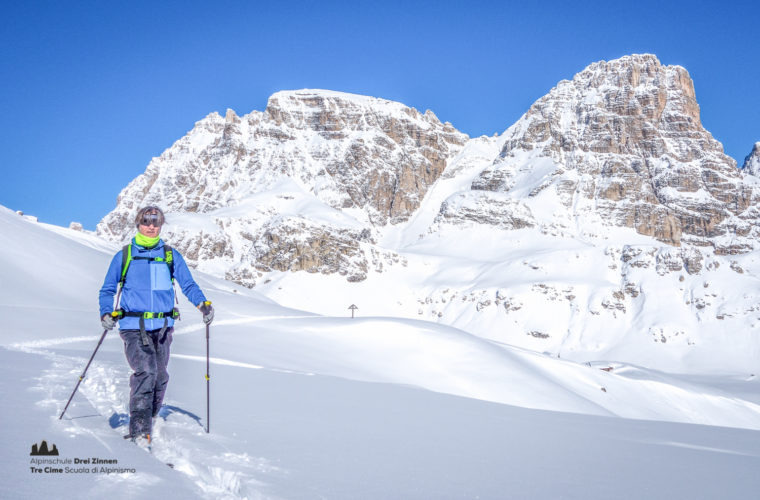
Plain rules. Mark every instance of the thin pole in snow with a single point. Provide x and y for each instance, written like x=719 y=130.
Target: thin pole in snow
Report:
x=81 y=377
x=208 y=389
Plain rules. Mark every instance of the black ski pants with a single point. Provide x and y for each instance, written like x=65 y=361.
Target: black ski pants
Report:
x=149 y=378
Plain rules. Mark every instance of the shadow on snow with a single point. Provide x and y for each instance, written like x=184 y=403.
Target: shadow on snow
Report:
x=121 y=419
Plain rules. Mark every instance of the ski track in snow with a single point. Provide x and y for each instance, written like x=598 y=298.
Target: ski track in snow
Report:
x=221 y=472
x=238 y=364
x=32 y=346
x=703 y=448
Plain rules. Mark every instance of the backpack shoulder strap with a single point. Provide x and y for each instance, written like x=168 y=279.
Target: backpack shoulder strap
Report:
x=126 y=258
x=169 y=259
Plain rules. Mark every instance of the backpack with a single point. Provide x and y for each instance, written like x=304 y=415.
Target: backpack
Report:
x=126 y=259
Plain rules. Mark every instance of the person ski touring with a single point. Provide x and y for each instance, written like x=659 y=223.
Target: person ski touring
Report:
x=144 y=272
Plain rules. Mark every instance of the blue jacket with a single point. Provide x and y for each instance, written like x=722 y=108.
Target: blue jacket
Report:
x=148 y=286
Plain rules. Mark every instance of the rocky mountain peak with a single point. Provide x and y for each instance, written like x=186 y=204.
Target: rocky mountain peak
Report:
x=352 y=151
x=752 y=161
x=335 y=114
x=231 y=117
x=369 y=157
x=631 y=105
x=627 y=144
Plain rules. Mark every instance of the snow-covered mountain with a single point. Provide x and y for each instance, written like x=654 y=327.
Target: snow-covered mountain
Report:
x=752 y=161
x=622 y=144
x=605 y=223
x=296 y=187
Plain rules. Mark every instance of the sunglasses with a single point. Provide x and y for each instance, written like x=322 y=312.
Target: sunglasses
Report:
x=151 y=220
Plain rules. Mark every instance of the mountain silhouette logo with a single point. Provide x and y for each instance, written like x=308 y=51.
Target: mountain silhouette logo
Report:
x=43 y=449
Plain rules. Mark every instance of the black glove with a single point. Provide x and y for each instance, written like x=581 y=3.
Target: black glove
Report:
x=108 y=322
x=208 y=312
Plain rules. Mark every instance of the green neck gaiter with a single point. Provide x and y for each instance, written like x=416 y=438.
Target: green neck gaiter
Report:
x=146 y=241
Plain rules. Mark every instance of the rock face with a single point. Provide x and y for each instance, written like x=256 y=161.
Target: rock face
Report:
x=379 y=156
x=370 y=158
x=292 y=245
x=351 y=152
x=752 y=161
x=623 y=141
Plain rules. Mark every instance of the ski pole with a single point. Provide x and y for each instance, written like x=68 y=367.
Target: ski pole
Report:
x=208 y=381
x=81 y=377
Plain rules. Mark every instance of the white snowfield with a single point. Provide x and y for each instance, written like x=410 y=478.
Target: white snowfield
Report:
x=310 y=406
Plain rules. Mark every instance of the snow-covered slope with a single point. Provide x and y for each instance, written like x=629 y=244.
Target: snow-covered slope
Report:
x=306 y=405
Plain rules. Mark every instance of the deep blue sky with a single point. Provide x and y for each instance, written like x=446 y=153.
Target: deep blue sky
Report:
x=91 y=91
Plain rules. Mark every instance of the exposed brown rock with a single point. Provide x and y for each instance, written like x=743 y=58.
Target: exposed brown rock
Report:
x=631 y=129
